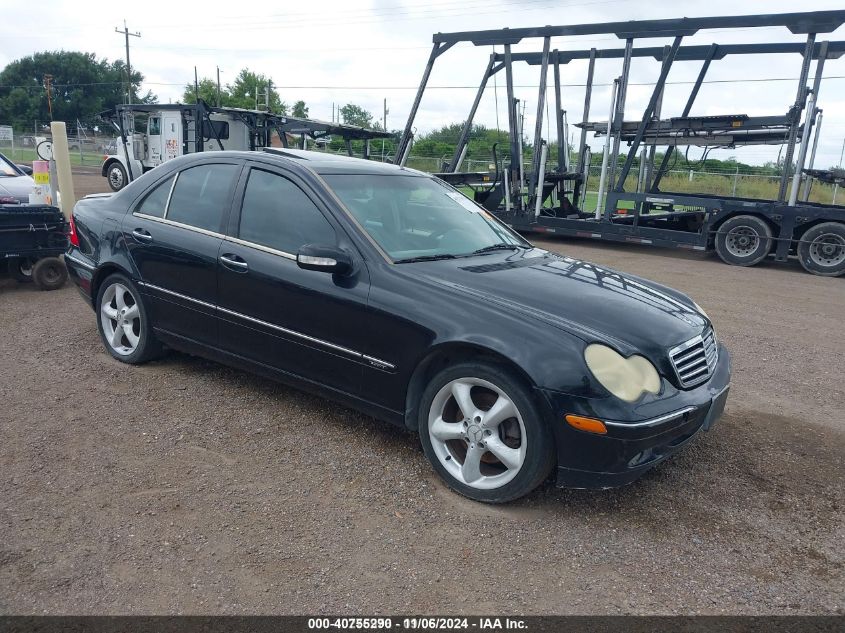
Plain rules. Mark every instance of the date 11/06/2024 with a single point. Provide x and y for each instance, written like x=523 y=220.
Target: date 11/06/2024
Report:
x=420 y=623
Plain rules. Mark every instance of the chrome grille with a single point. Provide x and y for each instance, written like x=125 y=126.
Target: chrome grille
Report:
x=695 y=360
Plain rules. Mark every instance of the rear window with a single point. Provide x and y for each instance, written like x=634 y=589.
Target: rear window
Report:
x=201 y=196
x=155 y=202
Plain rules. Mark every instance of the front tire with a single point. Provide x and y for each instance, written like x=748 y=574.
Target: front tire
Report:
x=123 y=322
x=116 y=175
x=484 y=434
x=743 y=240
x=821 y=250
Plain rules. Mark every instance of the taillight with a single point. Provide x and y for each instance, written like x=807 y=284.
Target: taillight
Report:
x=74 y=237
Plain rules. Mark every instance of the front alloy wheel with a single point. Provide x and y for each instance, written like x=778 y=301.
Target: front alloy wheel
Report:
x=483 y=433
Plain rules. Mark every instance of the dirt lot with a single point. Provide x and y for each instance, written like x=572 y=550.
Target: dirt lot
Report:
x=187 y=487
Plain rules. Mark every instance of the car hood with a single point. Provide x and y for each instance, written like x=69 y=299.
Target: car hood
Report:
x=18 y=186
x=584 y=299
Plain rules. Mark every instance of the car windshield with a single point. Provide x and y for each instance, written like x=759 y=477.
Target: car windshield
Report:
x=416 y=218
x=6 y=168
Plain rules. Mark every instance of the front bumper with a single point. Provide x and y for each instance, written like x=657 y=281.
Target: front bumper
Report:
x=634 y=444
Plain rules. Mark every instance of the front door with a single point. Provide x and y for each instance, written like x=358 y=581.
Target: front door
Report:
x=154 y=141
x=306 y=323
x=174 y=236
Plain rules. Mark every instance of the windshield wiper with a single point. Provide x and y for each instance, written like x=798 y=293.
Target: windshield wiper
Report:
x=425 y=258
x=497 y=247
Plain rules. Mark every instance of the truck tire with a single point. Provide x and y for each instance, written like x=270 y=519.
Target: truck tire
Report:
x=20 y=269
x=49 y=273
x=821 y=250
x=116 y=175
x=743 y=240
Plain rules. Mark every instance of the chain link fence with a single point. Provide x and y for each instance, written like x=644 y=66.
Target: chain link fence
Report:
x=21 y=146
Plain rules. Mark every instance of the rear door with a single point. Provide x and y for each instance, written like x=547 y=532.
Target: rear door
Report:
x=174 y=235
x=302 y=322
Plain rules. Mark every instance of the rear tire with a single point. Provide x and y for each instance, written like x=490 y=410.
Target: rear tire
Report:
x=123 y=322
x=743 y=240
x=116 y=175
x=484 y=434
x=20 y=268
x=821 y=250
x=49 y=273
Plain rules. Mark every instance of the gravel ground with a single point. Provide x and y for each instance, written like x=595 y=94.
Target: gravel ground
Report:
x=187 y=487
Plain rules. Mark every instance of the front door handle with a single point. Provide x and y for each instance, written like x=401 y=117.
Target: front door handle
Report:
x=234 y=262
x=142 y=235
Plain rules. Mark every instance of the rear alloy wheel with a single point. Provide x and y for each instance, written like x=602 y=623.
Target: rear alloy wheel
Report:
x=821 y=250
x=483 y=433
x=743 y=240
x=123 y=323
x=116 y=176
x=49 y=273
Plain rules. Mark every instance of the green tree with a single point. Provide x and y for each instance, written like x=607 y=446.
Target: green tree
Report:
x=82 y=87
x=300 y=110
x=247 y=85
x=207 y=92
x=352 y=114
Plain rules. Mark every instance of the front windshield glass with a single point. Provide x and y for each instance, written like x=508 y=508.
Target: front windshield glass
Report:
x=414 y=217
x=6 y=168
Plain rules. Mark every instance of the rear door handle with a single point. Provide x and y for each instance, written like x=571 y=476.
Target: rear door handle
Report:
x=142 y=235
x=234 y=262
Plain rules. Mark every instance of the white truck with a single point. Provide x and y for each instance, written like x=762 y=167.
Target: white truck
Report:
x=149 y=135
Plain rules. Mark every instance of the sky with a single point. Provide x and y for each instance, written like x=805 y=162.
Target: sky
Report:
x=332 y=52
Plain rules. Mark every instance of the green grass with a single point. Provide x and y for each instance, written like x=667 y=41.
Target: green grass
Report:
x=25 y=155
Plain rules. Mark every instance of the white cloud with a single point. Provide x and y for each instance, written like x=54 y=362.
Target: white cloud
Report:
x=330 y=51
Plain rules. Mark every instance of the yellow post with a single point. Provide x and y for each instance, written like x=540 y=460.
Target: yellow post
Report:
x=62 y=157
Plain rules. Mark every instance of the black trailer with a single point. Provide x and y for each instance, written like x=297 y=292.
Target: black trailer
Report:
x=32 y=237
x=551 y=199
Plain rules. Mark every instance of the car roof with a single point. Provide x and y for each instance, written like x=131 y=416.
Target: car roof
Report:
x=323 y=163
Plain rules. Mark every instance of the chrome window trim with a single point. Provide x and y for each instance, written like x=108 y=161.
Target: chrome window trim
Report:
x=170 y=194
x=180 y=225
x=260 y=247
x=653 y=421
x=80 y=262
x=381 y=364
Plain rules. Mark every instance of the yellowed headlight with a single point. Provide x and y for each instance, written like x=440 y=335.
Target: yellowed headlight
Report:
x=626 y=378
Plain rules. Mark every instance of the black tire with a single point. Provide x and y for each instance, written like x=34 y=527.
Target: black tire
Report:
x=821 y=250
x=20 y=269
x=539 y=454
x=147 y=347
x=116 y=176
x=743 y=240
x=49 y=273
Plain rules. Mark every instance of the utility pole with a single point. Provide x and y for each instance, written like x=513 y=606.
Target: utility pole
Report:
x=196 y=86
x=47 y=80
x=218 y=86
x=126 y=34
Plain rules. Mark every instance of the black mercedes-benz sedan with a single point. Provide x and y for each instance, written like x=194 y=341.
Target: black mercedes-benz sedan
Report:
x=387 y=290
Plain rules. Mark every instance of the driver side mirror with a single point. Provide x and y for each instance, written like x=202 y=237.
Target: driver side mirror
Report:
x=25 y=169
x=327 y=259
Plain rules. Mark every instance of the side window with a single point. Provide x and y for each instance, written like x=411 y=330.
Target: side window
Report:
x=155 y=125
x=155 y=202
x=201 y=195
x=278 y=214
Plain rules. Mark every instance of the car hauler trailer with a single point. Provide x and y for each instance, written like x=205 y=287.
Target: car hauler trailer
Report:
x=743 y=231
x=150 y=135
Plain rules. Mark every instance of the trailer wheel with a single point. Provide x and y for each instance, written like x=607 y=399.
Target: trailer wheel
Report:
x=116 y=176
x=821 y=250
x=20 y=268
x=49 y=273
x=743 y=240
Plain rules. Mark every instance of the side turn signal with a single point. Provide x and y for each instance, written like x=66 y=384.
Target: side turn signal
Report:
x=591 y=425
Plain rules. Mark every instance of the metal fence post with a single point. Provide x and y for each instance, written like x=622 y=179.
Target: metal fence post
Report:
x=736 y=177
